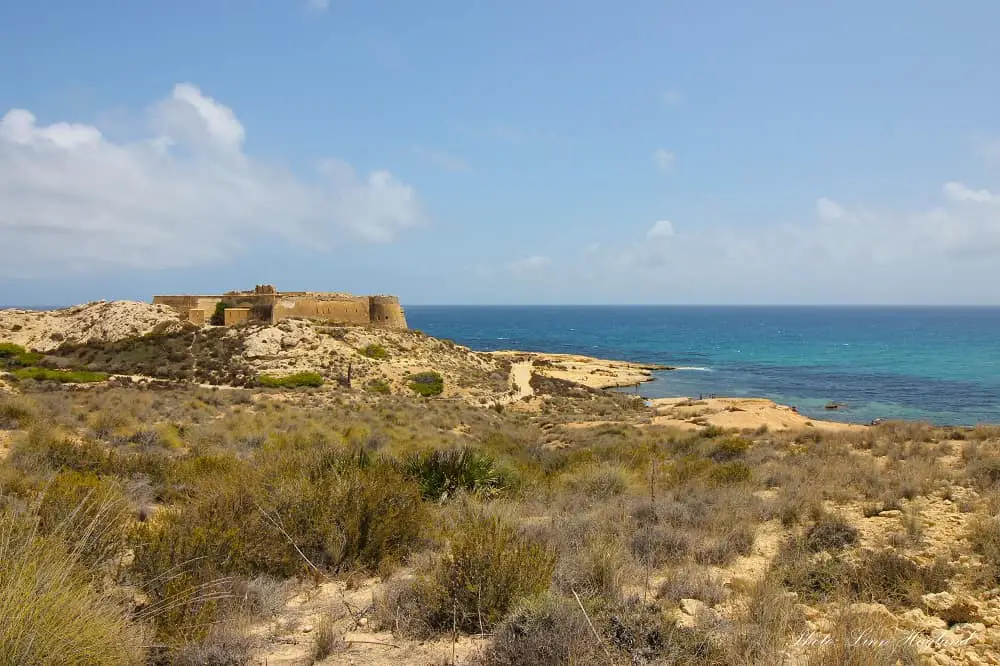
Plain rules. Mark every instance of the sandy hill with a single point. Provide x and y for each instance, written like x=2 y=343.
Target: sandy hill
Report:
x=100 y=321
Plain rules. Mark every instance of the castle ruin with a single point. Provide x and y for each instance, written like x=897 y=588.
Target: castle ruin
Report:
x=266 y=304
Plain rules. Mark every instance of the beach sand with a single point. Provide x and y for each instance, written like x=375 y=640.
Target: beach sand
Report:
x=597 y=373
x=739 y=413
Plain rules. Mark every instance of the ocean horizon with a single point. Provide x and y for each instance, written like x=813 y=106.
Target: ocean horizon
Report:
x=929 y=363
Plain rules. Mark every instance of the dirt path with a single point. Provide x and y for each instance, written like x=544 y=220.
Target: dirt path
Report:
x=520 y=383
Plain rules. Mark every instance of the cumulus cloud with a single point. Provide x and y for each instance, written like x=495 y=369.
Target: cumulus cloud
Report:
x=71 y=198
x=664 y=159
x=829 y=210
x=961 y=192
x=661 y=229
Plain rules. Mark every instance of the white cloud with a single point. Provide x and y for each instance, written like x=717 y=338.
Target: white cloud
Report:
x=664 y=159
x=441 y=159
x=671 y=98
x=661 y=229
x=72 y=199
x=318 y=5
x=189 y=115
x=529 y=265
x=960 y=192
x=829 y=210
x=987 y=147
x=948 y=253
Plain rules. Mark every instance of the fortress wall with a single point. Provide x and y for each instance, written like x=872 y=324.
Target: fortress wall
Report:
x=183 y=304
x=337 y=308
x=386 y=312
x=351 y=311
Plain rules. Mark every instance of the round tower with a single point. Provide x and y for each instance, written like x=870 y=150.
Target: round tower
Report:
x=385 y=311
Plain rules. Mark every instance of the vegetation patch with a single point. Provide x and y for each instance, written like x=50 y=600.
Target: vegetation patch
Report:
x=61 y=376
x=312 y=379
x=443 y=472
x=379 y=386
x=426 y=384
x=375 y=351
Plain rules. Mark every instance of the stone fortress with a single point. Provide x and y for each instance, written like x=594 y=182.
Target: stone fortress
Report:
x=267 y=305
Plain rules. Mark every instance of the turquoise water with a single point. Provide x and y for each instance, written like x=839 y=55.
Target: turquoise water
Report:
x=934 y=364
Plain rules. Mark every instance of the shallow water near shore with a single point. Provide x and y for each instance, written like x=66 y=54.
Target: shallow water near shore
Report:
x=938 y=364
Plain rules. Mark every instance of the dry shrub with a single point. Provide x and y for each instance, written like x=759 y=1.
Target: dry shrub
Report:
x=52 y=613
x=642 y=633
x=548 y=630
x=326 y=639
x=691 y=582
x=598 y=481
x=767 y=617
x=489 y=567
x=737 y=541
x=984 y=534
x=16 y=411
x=593 y=568
x=227 y=643
x=87 y=511
x=656 y=545
x=352 y=517
x=859 y=639
x=888 y=577
x=830 y=532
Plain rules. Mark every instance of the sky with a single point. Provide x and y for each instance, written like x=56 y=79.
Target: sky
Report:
x=502 y=152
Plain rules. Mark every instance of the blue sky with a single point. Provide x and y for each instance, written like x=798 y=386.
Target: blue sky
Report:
x=502 y=152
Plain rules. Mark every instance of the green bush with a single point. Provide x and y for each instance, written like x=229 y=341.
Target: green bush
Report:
x=52 y=613
x=378 y=386
x=12 y=355
x=218 y=317
x=730 y=473
x=426 y=383
x=9 y=349
x=443 y=472
x=62 y=376
x=729 y=448
x=312 y=379
x=375 y=351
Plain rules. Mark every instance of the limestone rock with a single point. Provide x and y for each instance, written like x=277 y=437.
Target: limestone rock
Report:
x=935 y=601
x=877 y=612
x=917 y=620
x=693 y=606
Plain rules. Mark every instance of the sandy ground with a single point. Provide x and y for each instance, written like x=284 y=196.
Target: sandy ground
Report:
x=738 y=413
x=596 y=373
x=289 y=639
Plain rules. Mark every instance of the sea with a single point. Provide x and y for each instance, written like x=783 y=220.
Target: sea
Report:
x=932 y=364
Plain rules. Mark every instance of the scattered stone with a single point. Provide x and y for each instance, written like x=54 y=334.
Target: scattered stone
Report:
x=891 y=513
